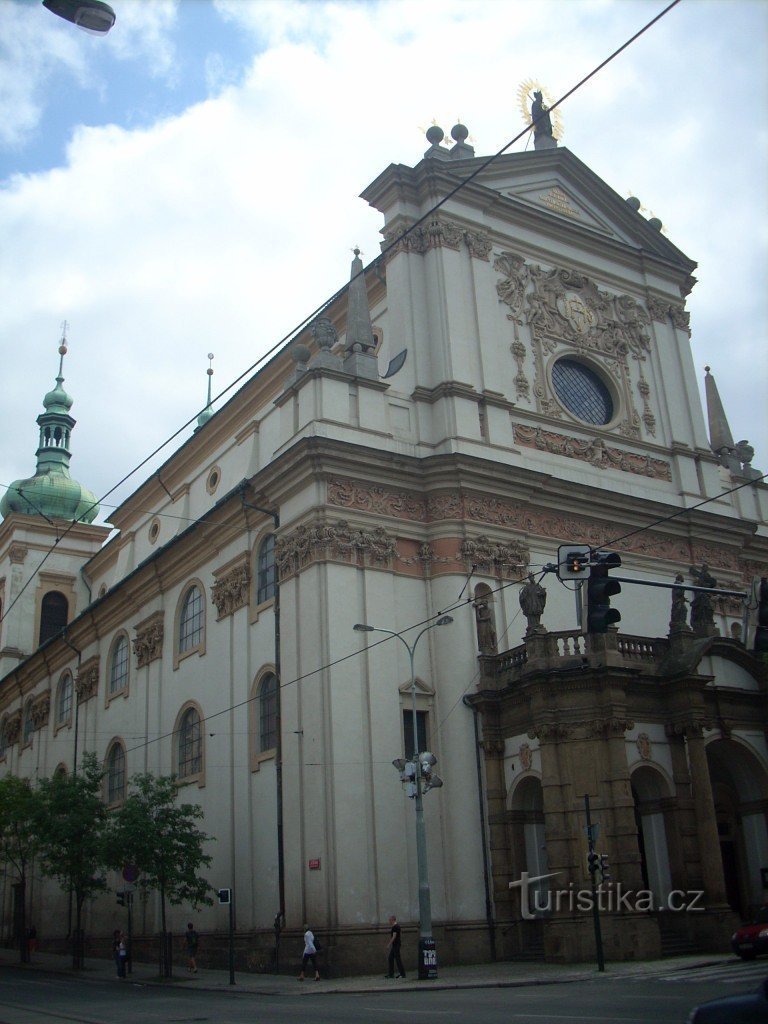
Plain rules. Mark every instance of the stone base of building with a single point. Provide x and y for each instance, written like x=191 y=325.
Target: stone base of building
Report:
x=624 y=937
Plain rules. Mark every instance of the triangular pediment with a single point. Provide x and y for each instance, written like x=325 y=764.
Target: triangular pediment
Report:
x=556 y=185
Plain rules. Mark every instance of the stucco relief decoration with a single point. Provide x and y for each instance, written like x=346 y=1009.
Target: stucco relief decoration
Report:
x=148 y=643
x=664 y=312
x=399 y=504
x=87 y=680
x=435 y=233
x=488 y=554
x=479 y=244
x=230 y=591
x=17 y=553
x=340 y=539
x=643 y=744
x=595 y=452
x=41 y=709
x=552 y=732
x=13 y=726
x=608 y=727
x=511 y=288
x=526 y=757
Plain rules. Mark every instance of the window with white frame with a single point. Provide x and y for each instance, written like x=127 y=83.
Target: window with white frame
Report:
x=119 y=666
x=64 y=700
x=266 y=576
x=268 y=713
x=116 y=774
x=189 y=760
x=191 y=620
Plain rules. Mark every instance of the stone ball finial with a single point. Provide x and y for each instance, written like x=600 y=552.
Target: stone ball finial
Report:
x=633 y=202
x=707 y=369
x=62 y=349
x=655 y=223
x=459 y=132
x=300 y=354
x=435 y=135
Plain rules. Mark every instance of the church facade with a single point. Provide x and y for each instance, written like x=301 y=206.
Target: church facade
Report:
x=513 y=374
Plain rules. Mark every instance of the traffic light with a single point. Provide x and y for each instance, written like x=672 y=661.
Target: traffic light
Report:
x=573 y=561
x=605 y=868
x=600 y=589
x=593 y=862
x=761 y=627
x=120 y=898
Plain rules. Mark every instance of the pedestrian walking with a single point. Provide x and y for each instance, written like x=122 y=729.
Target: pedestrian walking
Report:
x=122 y=955
x=393 y=946
x=192 y=941
x=310 y=953
x=116 y=950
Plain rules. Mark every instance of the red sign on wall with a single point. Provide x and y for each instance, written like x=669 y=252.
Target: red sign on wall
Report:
x=314 y=864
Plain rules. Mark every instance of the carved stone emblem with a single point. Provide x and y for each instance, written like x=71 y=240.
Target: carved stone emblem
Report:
x=576 y=312
x=643 y=743
x=526 y=757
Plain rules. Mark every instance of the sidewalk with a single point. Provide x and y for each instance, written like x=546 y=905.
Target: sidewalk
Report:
x=498 y=975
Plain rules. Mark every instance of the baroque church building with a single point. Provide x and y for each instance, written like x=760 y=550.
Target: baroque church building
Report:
x=513 y=374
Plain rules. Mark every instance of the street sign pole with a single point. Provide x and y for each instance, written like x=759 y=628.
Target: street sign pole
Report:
x=595 y=908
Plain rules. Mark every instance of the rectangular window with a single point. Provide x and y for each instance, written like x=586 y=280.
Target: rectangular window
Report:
x=421 y=731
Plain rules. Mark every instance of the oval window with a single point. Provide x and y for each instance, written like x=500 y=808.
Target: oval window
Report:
x=582 y=392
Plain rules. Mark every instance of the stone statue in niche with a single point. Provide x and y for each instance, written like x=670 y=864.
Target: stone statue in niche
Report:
x=487 y=642
x=702 y=617
x=533 y=598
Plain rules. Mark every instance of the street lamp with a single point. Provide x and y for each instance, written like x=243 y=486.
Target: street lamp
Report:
x=91 y=15
x=427 y=948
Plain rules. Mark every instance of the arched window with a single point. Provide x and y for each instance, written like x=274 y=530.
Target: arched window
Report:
x=116 y=774
x=268 y=713
x=119 y=664
x=53 y=615
x=64 y=700
x=28 y=726
x=191 y=620
x=189 y=760
x=266 y=577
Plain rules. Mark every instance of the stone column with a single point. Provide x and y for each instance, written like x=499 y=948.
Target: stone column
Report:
x=706 y=819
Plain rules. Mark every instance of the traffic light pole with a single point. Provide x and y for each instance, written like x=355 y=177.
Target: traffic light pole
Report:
x=595 y=907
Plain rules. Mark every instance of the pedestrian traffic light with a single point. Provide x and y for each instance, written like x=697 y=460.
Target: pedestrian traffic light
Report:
x=600 y=589
x=573 y=561
x=761 y=627
x=593 y=862
x=605 y=868
x=120 y=898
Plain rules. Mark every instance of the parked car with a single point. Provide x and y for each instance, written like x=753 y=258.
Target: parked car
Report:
x=747 y=1009
x=752 y=939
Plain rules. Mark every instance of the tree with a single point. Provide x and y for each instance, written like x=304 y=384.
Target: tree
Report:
x=75 y=841
x=19 y=843
x=161 y=838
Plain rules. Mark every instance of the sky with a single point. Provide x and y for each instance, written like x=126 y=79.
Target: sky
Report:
x=189 y=183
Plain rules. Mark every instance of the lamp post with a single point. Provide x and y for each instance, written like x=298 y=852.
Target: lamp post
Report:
x=427 y=949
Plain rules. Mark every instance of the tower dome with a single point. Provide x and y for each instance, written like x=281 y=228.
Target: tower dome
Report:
x=51 y=492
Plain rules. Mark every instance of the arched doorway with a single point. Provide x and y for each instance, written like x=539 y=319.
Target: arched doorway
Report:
x=529 y=842
x=649 y=791
x=740 y=789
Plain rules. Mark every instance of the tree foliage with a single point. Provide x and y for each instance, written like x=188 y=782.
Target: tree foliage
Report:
x=159 y=836
x=20 y=824
x=75 y=841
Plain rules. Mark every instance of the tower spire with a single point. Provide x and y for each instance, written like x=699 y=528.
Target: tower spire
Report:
x=207 y=412
x=51 y=492
x=360 y=342
x=720 y=436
